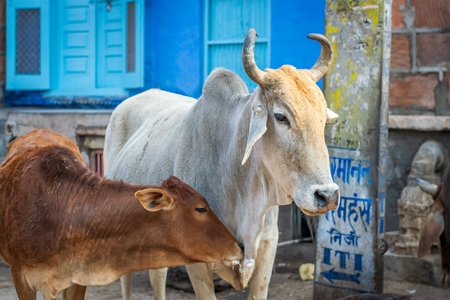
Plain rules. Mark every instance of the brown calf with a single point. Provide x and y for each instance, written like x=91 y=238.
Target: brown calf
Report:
x=62 y=226
x=437 y=224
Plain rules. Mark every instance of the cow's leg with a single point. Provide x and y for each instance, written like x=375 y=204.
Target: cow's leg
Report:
x=23 y=290
x=158 y=279
x=125 y=282
x=201 y=276
x=259 y=282
x=75 y=292
x=267 y=249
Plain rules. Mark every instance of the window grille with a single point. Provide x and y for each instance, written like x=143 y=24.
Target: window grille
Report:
x=96 y=162
x=28 y=41
x=131 y=36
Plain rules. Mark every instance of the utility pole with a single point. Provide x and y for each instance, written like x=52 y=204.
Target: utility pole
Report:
x=349 y=239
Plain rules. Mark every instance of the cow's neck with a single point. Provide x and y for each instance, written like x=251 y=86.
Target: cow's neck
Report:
x=241 y=195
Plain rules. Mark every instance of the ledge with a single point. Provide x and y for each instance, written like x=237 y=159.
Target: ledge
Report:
x=25 y=110
x=420 y=123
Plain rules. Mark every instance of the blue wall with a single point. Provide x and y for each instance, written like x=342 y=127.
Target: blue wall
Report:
x=292 y=21
x=173 y=48
x=174 y=40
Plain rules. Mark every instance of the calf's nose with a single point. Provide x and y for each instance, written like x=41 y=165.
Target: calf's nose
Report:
x=327 y=198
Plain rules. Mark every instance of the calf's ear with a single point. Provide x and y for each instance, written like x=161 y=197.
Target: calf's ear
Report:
x=154 y=199
x=258 y=123
x=433 y=228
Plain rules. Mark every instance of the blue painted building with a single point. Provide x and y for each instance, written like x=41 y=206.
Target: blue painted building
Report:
x=95 y=53
x=70 y=62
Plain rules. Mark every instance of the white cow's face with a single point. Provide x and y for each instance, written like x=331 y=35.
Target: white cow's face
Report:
x=293 y=147
x=288 y=115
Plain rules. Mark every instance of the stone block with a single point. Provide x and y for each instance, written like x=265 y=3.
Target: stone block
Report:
x=409 y=238
x=417 y=224
x=400 y=248
x=398 y=6
x=433 y=49
x=414 y=232
x=413 y=91
x=431 y=14
x=400 y=51
x=419 y=123
x=426 y=270
x=391 y=237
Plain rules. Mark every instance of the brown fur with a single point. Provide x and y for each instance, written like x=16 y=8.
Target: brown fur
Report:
x=60 y=224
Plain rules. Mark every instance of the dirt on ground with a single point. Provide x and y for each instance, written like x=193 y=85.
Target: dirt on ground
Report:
x=283 y=286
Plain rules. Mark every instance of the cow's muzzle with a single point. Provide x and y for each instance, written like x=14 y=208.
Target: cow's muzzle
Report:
x=326 y=199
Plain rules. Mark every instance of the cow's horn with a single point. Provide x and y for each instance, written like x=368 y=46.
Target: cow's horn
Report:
x=426 y=186
x=323 y=62
x=248 y=58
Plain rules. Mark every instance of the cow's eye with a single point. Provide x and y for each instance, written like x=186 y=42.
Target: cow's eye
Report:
x=201 y=209
x=281 y=118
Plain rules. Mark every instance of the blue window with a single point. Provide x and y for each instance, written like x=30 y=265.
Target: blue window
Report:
x=227 y=23
x=75 y=47
x=28 y=45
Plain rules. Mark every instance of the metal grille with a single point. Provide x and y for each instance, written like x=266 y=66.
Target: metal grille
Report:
x=28 y=41
x=131 y=37
x=96 y=162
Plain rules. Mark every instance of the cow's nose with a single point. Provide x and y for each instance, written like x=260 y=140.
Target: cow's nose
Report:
x=326 y=198
x=242 y=247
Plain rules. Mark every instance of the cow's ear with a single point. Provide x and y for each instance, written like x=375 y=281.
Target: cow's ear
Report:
x=331 y=116
x=258 y=122
x=154 y=199
x=433 y=228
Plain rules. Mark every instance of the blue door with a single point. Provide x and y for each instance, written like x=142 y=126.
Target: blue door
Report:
x=99 y=46
x=76 y=33
x=111 y=44
x=117 y=43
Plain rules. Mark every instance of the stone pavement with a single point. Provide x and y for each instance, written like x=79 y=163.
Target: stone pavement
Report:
x=285 y=284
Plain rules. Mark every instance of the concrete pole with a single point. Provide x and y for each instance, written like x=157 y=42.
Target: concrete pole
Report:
x=349 y=240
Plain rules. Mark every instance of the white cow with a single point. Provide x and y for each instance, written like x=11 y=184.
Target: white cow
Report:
x=245 y=153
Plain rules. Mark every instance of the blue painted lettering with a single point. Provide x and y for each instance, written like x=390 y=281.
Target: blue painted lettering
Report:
x=336 y=237
x=358 y=262
x=352 y=209
x=347 y=168
x=326 y=256
x=343 y=256
x=331 y=275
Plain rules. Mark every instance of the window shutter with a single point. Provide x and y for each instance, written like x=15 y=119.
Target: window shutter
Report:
x=227 y=23
x=28 y=45
x=134 y=41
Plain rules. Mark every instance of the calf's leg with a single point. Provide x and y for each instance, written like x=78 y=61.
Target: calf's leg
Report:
x=75 y=292
x=23 y=290
x=125 y=282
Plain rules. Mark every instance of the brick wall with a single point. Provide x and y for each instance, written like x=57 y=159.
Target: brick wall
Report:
x=420 y=57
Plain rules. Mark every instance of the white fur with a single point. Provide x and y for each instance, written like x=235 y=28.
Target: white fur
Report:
x=156 y=134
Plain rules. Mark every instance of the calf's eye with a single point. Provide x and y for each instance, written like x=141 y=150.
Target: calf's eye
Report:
x=201 y=209
x=281 y=118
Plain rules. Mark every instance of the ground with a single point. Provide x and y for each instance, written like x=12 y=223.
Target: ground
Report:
x=283 y=286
